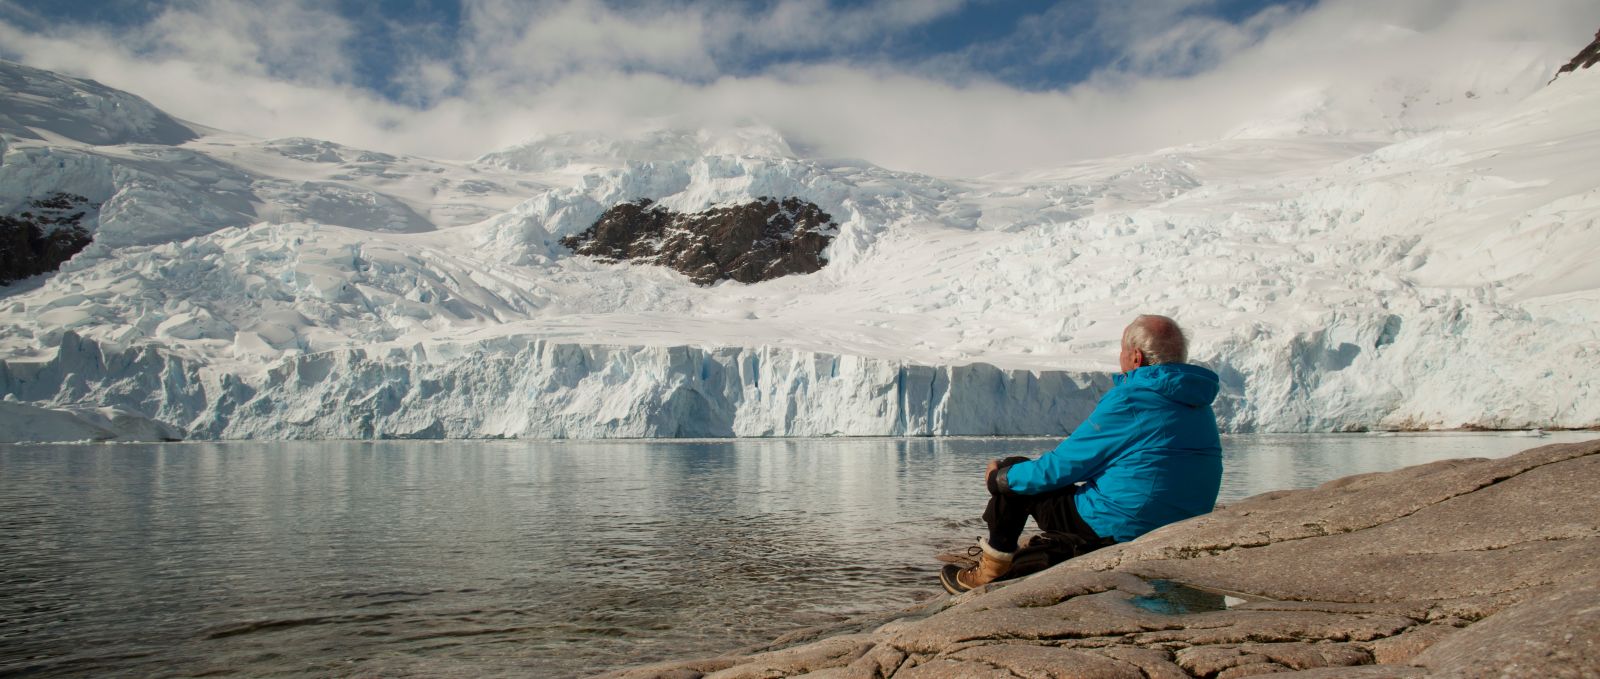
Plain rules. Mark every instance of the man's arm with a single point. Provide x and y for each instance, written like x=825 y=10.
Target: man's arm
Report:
x=1089 y=449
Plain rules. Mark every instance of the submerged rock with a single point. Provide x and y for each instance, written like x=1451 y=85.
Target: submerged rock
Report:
x=1456 y=568
x=752 y=242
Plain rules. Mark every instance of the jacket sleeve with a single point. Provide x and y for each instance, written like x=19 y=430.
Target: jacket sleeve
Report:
x=1108 y=431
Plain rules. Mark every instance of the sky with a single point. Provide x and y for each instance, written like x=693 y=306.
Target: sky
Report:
x=952 y=87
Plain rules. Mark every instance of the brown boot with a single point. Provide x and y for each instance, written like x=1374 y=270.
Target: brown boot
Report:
x=992 y=565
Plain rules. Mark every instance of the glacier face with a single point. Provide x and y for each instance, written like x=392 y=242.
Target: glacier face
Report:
x=298 y=288
x=511 y=387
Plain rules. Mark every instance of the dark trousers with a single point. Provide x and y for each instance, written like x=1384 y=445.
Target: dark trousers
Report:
x=1054 y=512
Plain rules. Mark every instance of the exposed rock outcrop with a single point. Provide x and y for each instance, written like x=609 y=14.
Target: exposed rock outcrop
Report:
x=38 y=240
x=1587 y=57
x=756 y=241
x=1458 y=568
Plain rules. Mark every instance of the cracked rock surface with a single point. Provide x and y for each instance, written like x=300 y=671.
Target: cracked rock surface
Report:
x=1461 y=568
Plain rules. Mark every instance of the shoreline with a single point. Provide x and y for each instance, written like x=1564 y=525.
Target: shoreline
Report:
x=735 y=439
x=1390 y=574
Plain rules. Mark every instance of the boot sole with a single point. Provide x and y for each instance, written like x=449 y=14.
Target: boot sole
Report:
x=1029 y=560
x=947 y=577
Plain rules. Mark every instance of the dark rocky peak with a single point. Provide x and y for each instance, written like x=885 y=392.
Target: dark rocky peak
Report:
x=1587 y=57
x=34 y=100
x=38 y=239
x=750 y=242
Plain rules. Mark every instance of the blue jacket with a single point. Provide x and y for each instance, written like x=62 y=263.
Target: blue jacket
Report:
x=1147 y=456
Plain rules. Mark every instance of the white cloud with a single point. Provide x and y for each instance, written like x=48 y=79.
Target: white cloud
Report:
x=521 y=70
x=1192 y=44
x=517 y=44
x=810 y=24
x=279 y=39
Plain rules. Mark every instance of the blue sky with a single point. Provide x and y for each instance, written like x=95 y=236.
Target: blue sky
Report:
x=945 y=86
x=1028 y=44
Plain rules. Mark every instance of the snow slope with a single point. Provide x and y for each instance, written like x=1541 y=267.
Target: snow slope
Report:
x=1416 y=276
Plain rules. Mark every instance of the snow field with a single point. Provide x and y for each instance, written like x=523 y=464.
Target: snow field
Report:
x=1335 y=282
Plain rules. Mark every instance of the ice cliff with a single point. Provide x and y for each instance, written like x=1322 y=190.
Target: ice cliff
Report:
x=521 y=387
x=1433 y=277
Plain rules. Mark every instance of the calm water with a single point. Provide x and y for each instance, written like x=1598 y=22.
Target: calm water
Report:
x=508 y=558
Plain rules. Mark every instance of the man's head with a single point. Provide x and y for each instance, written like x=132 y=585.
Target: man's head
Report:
x=1152 y=340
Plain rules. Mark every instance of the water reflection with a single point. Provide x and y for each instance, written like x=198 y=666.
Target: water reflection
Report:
x=1176 y=598
x=506 y=558
x=1259 y=463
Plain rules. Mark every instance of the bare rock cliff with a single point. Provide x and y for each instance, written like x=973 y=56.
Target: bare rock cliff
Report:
x=39 y=239
x=752 y=242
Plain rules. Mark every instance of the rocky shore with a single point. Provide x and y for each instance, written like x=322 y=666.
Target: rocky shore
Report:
x=1461 y=568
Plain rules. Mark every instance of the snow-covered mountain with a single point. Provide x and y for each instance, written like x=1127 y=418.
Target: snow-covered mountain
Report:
x=1431 y=274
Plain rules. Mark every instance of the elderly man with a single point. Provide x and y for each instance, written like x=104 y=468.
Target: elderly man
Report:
x=1147 y=456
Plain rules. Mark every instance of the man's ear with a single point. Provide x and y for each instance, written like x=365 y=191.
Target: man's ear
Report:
x=1138 y=358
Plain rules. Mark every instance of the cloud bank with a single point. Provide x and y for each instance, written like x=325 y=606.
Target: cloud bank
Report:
x=1164 y=72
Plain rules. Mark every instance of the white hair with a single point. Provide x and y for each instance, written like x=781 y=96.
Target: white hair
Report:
x=1159 y=338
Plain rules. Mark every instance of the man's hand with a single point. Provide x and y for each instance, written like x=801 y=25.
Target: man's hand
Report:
x=994 y=467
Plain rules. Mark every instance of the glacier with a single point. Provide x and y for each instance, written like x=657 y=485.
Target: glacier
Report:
x=515 y=387
x=1336 y=278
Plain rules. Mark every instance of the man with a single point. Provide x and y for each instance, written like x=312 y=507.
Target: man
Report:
x=1147 y=456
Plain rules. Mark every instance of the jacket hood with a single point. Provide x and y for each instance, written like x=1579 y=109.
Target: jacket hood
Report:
x=1190 y=385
